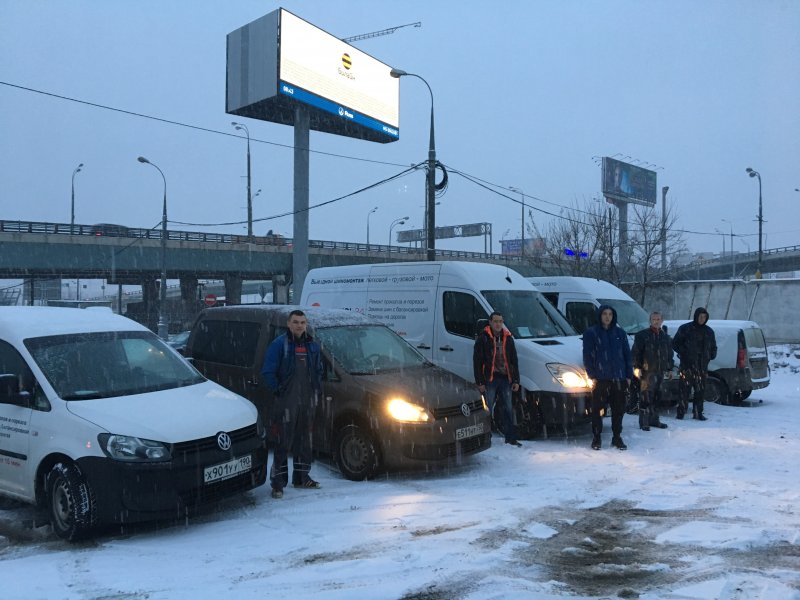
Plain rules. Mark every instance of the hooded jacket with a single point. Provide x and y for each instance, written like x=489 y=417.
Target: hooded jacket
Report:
x=695 y=344
x=606 y=353
x=483 y=356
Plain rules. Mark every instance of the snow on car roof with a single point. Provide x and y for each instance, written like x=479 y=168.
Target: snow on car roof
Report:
x=20 y=322
x=317 y=316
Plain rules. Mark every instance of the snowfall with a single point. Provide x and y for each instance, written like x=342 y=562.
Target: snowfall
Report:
x=698 y=510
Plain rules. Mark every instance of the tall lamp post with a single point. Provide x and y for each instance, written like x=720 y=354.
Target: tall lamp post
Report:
x=733 y=258
x=243 y=127
x=430 y=209
x=369 y=214
x=522 y=195
x=394 y=224
x=163 y=324
x=72 y=212
x=754 y=173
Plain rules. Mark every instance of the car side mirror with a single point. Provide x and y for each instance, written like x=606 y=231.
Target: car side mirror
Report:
x=9 y=391
x=481 y=325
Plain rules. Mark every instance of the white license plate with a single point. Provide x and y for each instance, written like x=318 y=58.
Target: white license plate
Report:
x=468 y=432
x=229 y=469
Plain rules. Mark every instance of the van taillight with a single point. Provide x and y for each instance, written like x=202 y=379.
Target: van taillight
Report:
x=741 y=354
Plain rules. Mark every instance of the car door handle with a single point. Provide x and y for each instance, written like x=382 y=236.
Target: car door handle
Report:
x=446 y=348
x=424 y=347
x=251 y=383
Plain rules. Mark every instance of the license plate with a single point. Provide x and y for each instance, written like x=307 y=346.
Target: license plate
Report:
x=229 y=469
x=468 y=432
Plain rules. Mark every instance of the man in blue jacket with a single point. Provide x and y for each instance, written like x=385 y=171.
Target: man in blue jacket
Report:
x=293 y=371
x=607 y=359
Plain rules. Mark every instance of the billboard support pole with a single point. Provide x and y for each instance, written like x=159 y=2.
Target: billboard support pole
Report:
x=301 y=194
x=664 y=191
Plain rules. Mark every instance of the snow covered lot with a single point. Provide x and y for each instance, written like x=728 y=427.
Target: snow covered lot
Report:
x=699 y=510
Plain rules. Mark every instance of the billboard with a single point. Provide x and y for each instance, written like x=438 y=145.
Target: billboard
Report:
x=625 y=182
x=279 y=61
x=451 y=231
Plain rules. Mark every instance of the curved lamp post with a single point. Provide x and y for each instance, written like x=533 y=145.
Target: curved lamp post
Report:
x=72 y=212
x=163 y=324
x=430 y=213
x=369 y=214
x=754 y=173
x=394 y=224
x=243 y=127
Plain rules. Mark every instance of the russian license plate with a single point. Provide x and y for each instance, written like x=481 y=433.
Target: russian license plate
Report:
x=468 y=432
x=229 y=469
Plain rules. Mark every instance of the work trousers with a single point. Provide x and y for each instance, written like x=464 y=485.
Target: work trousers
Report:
x=612 y=392
x=649 y=398
x=291 y=430
x=692 y=379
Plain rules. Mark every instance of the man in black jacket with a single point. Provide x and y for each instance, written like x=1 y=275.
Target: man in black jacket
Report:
x=496 y=369
x=696 y=346
x=652 y=357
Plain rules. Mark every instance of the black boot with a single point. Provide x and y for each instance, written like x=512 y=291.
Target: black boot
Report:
x=596 y=444
x=618 y=443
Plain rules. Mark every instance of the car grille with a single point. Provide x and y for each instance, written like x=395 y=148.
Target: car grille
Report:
x=454 y=411
x=443 y=451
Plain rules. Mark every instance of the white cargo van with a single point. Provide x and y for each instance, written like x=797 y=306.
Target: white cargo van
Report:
x=579 y=297
x=101 y=422
x=436 y=306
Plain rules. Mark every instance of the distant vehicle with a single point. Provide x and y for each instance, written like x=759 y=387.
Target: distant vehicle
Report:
x=178 y=340
x=100 y=423
x=109 y=229
x=384 y=406
x=741 y=365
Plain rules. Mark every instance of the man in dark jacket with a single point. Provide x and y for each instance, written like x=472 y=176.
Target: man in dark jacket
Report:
x=696 y=346
x=652 y=356
x=496 y=369
x=607 y=359
x=293 y=371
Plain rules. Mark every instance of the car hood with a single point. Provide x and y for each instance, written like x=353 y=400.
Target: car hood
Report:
x=567 y=350
x=171 y=416
x=428 y=386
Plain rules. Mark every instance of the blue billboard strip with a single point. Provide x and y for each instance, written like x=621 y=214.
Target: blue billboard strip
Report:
x=306 y=97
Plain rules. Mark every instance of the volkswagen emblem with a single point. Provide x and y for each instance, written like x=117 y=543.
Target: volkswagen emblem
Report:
x=224 y=440
x=465 y=409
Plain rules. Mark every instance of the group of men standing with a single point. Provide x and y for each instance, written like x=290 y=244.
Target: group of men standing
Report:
x=610 y=364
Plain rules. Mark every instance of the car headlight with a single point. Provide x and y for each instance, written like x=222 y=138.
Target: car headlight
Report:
x=569 y=376
x=637 y=372
x=133 y=449
x=404 y=411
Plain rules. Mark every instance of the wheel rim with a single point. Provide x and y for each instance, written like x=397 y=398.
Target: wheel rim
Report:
x=62 y=506
x=354 y=453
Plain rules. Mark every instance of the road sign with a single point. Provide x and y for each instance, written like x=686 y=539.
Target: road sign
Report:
x=210 y=299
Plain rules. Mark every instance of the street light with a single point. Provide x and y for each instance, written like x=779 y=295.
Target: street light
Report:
x=369 y=214
x=163 y=325
x=72 y=213
x=754 y=173
x=733 y=258
x=243 y=127
x=430 y=210
x=722 y=235
x=396 y=222
x=522 y=194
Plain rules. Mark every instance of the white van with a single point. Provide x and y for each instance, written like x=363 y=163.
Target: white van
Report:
x=101 y=422
x=578 y=299
x=436 y=306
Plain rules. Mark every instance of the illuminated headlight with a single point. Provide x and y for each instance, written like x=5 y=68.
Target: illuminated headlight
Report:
x=637 y=372
x=401 y=410
x=132 y=449
x=569 y=376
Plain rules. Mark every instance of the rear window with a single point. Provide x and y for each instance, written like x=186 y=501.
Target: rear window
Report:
x=754 y=338
x=226 y=342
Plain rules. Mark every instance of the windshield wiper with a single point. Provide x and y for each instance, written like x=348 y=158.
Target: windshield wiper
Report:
x=84 y=396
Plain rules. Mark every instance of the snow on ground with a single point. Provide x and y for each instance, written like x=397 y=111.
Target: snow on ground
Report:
x=699 y=510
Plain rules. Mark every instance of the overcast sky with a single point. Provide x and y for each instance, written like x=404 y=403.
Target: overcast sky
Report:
x=526 y=94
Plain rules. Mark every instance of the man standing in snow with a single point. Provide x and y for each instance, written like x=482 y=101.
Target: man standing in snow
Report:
x=652 y=356
x=293 y=371
x=494 y=362
x=696 y=346
x=607 y=359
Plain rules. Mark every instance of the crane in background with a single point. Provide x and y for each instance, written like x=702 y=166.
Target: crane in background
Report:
x=366 y=36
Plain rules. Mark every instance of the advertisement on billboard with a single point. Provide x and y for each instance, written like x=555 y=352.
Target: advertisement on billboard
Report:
x=625 y=182
x=443 y=233
x=279 y=61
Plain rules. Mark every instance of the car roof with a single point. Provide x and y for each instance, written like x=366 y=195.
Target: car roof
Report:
x=279 y=313
x=21 y=322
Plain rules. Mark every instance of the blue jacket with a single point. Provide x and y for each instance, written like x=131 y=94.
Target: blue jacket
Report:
x=278 y=366
x=606 y=353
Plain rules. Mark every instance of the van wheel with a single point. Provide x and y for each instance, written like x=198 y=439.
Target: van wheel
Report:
x=356 y=453
x=716 y=391
x=71 y=502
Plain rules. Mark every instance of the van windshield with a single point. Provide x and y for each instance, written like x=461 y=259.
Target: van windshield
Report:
x=630 y=316
x=87 y=366
x=527 y=314
x=367 y=349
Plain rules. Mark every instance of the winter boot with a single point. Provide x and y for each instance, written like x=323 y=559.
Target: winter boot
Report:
x=618 y=443
x=596 y=444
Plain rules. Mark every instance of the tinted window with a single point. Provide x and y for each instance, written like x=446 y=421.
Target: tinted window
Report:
x=461 y=313
x=581 y=315
x=226 y=342
x=527 y=314
x=364 y=349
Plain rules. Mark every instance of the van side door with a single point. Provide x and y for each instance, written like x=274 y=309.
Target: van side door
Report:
x=15 y=423
x=456 y=328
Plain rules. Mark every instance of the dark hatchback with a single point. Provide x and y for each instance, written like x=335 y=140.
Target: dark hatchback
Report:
x=384 y=406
